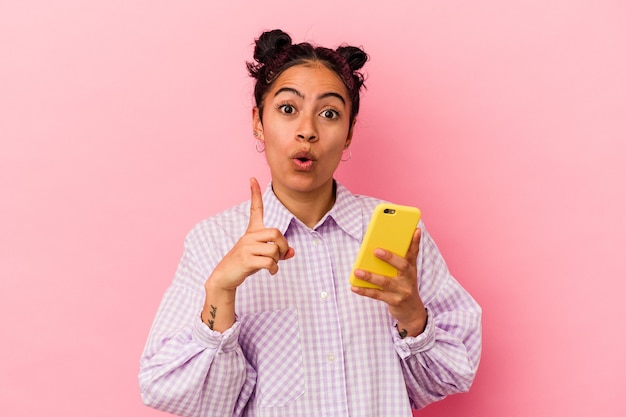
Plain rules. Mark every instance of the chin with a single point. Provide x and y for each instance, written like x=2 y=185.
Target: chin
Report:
x=304 y=184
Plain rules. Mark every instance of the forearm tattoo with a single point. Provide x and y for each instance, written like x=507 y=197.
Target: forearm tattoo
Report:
x=211 y=321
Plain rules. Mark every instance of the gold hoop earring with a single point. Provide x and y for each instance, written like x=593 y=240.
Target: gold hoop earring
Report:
x=343 y=159
x=260 y=146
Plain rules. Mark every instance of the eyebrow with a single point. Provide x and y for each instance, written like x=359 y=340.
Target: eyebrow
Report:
x=333 y=94
x=299 y=94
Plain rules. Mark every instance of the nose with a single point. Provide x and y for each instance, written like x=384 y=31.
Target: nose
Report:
x=307 y=130
x=308 y=138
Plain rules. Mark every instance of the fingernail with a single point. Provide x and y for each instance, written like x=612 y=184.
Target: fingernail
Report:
x=379 y=252
x=359 y=273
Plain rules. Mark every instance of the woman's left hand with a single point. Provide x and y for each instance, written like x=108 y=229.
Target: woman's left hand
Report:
x=400 y=292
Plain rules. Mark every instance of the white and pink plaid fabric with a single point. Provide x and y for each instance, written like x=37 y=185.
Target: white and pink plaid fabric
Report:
x=303 y=343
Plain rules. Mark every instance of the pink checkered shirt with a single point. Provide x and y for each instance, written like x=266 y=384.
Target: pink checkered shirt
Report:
x=303 y=343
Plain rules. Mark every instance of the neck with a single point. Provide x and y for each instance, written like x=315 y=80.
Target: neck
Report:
x=308 y=207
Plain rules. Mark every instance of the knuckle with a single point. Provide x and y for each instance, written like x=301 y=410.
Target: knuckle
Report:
x=403 y=266
x=270 y=263
x=274 y=235
x=403 y=296
x=367 y=276
x=375 y=294
x=394 y=299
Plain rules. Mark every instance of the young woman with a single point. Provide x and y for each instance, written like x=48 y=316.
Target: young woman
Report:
x=261 y=319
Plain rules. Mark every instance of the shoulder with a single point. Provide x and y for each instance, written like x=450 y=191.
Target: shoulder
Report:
x=365 y=203
x=368 y=202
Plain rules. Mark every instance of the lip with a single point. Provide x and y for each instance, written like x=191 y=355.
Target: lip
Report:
x=303 y=160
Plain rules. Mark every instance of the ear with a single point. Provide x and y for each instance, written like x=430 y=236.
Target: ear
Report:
x=257 y=125
x=350 y=133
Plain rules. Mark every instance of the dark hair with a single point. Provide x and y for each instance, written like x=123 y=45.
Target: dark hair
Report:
x=274 y=53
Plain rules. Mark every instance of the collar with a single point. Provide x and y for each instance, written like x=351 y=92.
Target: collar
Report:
x=347 y=213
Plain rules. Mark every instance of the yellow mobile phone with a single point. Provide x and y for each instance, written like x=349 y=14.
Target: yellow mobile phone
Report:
x=391 y=228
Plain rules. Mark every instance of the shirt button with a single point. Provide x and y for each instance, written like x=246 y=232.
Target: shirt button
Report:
x=316 y=242
x=324 y=295
x=330 y=357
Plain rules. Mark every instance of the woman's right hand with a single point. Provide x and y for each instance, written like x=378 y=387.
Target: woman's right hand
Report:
x=259 y=248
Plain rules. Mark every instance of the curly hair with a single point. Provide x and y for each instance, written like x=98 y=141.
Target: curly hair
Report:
x=274 y=53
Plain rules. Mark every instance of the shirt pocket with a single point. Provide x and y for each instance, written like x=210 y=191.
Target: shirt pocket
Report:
x=271 y=343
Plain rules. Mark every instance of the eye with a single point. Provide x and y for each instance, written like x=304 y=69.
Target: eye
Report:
x=329 y=114
x=286 y=109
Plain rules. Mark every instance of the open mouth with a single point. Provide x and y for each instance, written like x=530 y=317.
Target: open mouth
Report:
x=303 y=160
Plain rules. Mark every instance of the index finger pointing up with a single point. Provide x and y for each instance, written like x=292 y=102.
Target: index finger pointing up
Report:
x=256 y=206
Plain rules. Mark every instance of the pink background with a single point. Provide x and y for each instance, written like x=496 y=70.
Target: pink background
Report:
x=124 y=122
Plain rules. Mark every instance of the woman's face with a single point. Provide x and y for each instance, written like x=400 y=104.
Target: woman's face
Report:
x=305 y=127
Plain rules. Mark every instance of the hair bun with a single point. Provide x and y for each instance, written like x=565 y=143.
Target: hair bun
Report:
x=270 y=44
x=355 y=57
